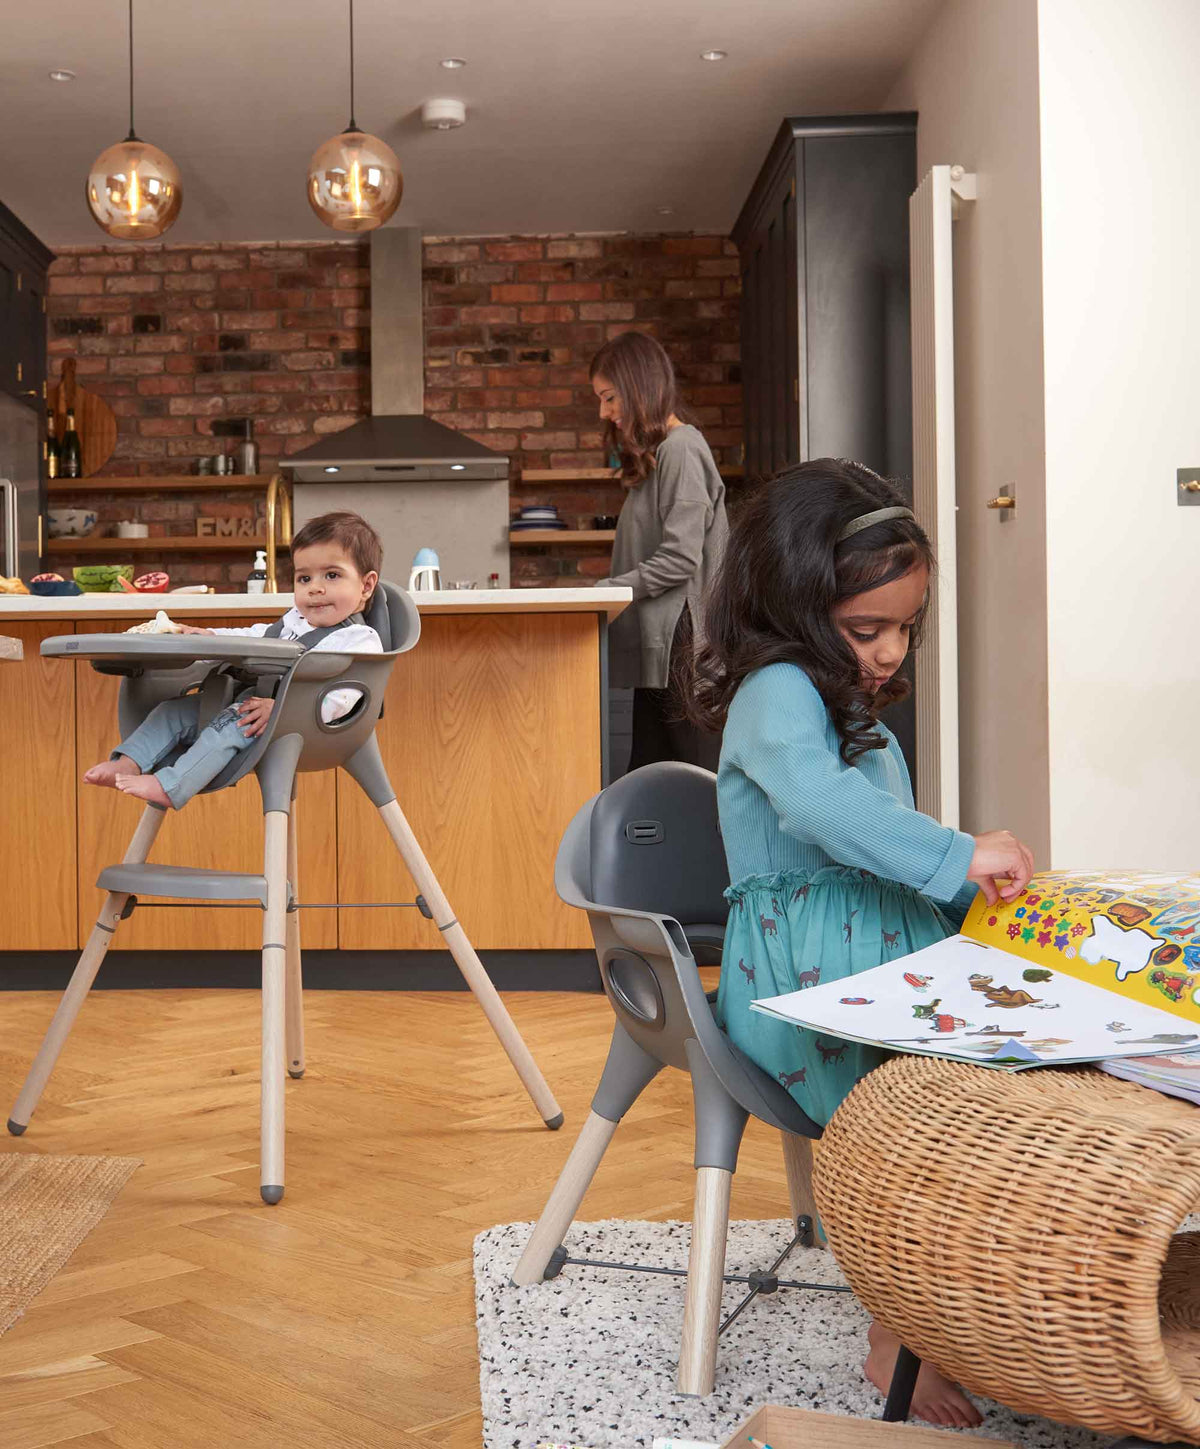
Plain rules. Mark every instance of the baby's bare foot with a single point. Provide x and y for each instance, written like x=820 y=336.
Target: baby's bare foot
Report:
x=106 y=772
x=935 y=1398
x=145 y=787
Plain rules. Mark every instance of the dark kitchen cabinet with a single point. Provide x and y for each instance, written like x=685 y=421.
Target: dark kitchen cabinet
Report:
x=823 y=241
x=23 y=265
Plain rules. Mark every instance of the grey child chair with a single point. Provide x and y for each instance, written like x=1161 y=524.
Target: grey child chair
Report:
x=157 y=667
x=644 y=859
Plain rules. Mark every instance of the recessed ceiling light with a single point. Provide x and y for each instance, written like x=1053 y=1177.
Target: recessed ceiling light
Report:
x=453 y=62
x=714 y=55
x=332 y=470
x=666 y=211
x=62 y=75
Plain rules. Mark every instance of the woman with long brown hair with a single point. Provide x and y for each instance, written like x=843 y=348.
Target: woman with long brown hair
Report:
x=670 y=535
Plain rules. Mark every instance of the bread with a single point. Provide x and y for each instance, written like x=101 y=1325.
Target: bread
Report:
x=160 y=624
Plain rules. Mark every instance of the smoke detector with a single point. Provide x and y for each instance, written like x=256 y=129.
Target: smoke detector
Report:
x=443 y=115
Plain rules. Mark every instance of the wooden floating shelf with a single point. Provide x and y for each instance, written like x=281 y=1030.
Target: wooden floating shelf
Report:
x=561 y=535
x=593 y=475
x=184 y=482
x=165 y=543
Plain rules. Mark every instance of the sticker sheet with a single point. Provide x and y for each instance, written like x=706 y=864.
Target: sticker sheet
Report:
x=974 y=1002
x=1133 y=933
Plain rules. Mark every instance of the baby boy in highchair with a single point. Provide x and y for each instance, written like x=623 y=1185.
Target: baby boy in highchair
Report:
x=336 y=560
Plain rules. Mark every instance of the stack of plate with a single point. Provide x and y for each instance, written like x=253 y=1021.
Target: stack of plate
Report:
x=535 y=516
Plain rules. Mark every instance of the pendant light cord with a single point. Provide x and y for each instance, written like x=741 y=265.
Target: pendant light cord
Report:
x=132 y=133
x=353 y=126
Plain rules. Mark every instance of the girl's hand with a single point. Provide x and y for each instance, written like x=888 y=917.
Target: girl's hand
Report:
x=253 y=715
x=194 y=629
x=1000 y=856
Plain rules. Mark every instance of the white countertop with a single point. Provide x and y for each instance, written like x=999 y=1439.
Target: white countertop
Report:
x=269 y=606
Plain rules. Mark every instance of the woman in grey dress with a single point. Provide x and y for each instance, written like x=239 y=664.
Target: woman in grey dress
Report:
x=670 y=535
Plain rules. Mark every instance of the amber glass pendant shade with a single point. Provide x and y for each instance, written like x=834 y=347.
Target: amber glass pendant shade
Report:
x=134 y=190
x=354 y=181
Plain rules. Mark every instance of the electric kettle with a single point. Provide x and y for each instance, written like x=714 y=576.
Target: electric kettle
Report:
x=426 y=572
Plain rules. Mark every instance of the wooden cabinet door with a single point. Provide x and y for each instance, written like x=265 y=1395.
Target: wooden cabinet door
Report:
x=491 y=739
x=215 y=832
x=37 y=788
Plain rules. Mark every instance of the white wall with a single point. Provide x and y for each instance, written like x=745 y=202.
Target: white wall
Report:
x=1120 y=144
x=974 y=81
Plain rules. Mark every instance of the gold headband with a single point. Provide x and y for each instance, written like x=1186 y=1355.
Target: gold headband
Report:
x=880 y=515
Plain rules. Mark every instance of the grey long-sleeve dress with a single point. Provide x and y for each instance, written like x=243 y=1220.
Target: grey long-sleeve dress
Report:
x=670 y=537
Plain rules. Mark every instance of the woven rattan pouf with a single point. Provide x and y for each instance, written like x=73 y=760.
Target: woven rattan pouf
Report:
x=1018 y=1231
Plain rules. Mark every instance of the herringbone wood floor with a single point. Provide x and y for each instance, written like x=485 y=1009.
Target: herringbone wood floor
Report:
x=196 y=1316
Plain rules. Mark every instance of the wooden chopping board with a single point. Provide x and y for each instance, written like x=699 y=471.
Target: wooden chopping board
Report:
x=94 y=420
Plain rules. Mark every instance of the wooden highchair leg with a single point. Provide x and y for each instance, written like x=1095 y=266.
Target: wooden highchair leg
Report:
x=274 y=954
x=470 y=965
x=798 y=1164
x=706 y=1270
x=295 y=978
x=83 y=975
x=559 y=1212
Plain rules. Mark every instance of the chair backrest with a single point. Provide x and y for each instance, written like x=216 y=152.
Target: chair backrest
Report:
x=300 y=693
x=644 y=858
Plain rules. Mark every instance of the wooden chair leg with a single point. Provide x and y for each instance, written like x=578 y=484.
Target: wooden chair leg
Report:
x=706 y=1271
x=82 y=977
x=295 y=976
x=470 y=965
x=798 y=1164
x=559 y=1212
x=274 y=954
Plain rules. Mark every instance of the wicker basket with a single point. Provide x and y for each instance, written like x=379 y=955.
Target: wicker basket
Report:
x=1018 y=1230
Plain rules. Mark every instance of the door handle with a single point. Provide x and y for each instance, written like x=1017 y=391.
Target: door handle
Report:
x=11 y=558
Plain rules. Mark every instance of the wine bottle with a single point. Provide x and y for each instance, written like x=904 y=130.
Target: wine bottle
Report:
x=70 y=456
x=52 y=451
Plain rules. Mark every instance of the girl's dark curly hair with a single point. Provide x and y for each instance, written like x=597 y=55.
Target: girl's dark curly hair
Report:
x=782 y=574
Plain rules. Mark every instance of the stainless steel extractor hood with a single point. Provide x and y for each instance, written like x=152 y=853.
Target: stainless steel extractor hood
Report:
x=397 y=443
x=397 y=448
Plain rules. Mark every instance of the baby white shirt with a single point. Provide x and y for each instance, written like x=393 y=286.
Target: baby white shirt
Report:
x=352 y=639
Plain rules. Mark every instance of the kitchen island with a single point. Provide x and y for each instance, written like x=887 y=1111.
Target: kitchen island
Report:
x=493 y=734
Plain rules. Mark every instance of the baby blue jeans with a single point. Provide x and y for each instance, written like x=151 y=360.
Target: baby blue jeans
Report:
x=177 y=722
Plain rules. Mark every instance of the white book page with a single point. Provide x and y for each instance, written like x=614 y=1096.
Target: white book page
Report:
x=961 y=999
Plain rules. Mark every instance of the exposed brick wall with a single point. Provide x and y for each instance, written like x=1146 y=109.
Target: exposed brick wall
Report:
x=184 y=341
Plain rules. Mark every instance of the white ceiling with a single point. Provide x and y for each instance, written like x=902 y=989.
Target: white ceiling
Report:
x=580 y=116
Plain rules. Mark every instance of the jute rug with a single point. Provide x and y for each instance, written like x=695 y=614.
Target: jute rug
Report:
x=589 y=1358
x=48 y=1205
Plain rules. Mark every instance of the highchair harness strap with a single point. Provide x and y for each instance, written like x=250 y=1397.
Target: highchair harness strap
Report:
x=267 y=685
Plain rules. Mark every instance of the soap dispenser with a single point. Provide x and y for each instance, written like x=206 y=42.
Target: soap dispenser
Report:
x=257 y=581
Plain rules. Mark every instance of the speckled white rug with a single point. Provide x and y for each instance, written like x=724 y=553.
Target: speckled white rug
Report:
x=589 y=1358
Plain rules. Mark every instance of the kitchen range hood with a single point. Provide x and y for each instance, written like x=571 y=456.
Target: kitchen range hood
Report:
x=395 y=448
x=397 y=443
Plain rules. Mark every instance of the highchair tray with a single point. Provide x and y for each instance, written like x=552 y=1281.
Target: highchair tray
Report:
x=135 y=653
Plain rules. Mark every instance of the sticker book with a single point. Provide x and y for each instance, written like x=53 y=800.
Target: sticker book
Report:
x=1081 y=967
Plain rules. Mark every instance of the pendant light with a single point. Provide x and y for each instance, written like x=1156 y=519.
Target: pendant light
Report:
x=133 y=189
x=354 y=180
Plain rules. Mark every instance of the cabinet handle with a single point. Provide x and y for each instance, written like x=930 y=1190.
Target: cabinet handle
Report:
x=1002 y=503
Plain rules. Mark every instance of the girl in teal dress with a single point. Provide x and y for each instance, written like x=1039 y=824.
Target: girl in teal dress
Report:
x=820 y=596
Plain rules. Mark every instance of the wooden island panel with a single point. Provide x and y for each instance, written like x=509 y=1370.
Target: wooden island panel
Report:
x=491 y=738
x=217 y=832
x=37 y=786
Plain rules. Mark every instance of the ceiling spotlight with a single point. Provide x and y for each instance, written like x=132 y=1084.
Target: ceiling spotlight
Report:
x=714 y=55
x=453 y=62
x=62 y=75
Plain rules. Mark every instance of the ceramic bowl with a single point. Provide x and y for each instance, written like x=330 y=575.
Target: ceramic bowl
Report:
x=70 y=522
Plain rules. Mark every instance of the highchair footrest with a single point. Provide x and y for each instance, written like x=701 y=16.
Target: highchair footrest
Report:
x=185 y=882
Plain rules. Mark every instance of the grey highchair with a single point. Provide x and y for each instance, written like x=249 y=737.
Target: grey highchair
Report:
x=157 y=667
x=644 y=858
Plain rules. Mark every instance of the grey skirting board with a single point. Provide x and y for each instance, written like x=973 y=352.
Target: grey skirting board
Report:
x=323 y=970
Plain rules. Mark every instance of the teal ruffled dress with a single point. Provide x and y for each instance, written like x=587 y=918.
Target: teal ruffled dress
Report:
x=834 y=871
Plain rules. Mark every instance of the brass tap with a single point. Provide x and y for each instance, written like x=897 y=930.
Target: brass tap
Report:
x=277 y=493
